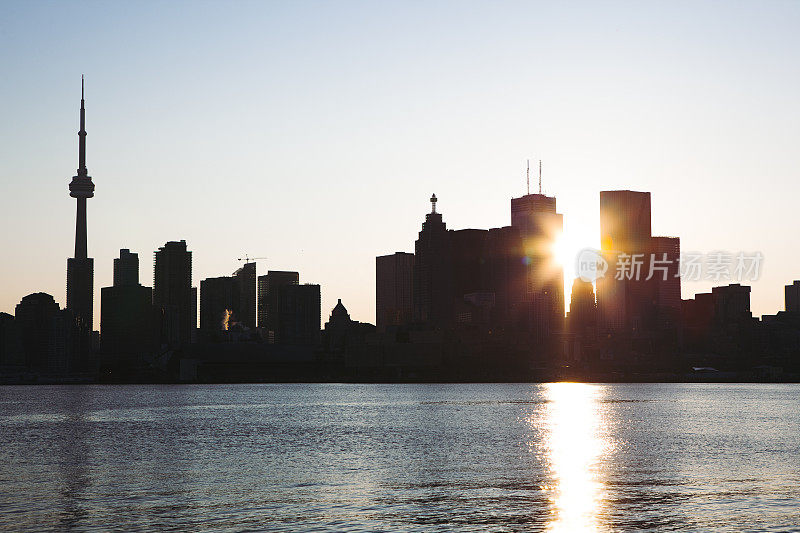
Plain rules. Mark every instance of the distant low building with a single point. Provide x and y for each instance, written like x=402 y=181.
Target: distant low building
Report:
x=46 y=334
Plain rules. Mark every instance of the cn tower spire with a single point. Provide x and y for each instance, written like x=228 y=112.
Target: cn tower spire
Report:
x=82 y=172
x=80 y=269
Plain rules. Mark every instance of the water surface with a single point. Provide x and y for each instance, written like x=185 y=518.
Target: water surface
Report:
x=550 y=457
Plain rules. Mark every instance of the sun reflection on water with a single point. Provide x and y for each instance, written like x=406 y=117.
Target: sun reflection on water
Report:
x=574 y=447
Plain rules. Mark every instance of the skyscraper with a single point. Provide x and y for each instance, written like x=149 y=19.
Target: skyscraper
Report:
x=80 y=269
x=299 y=314
x=127 y=317
x=173 y=294
x=244 y=286
x=394 y=276
x=624 y=236
x=506 y=274
x=667 y=291
x=433 y=299
x=539 y=226
x=216 y=303
x=269 y=296
x=229 y=300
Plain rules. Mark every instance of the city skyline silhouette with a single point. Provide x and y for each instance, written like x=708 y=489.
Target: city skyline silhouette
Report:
x=168 y=171
x=392 y=266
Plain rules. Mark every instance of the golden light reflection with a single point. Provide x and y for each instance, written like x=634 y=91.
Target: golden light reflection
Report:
x=574 y=448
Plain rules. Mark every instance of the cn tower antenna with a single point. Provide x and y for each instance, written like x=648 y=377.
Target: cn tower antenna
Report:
x=540 y=176
x=528 y=175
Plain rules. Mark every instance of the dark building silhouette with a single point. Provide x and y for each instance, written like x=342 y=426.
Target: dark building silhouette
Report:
x=467 y=261
x=229 y=300
x=45 y=333
x=244 y=287
x=582 y=316
x=638 y=299
x=792 y=295
x=80 y=269
x=269 y=297
x=341 y=334
x=433 y=291
x=539 y=226
x=173 y=295
x=11 y=353
x=666 y=252
x=299 y=315
x=732 y=303
x=505 y=275
x=394 y=290
x=582 y=334
x=624 y=231
x=721 y=323
x=126 y=269
x=127 y=317
x=216 y=303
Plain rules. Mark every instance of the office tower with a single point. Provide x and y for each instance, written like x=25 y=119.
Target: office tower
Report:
x=45 y=333
x=666 y=255
x=173 y=295
x=624 y=237
x=540 y=226
x=127 y=317
x=126 y=269
x=394 y=275
x=80 y=269
x=299 y=314
x=505 y=274
x=216 y=303
x=244 y=295
x=792 y=293
x=433 y=299
x=269 y=298
x=467 y=262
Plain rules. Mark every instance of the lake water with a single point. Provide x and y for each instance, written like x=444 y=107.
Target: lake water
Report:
x=549 y=457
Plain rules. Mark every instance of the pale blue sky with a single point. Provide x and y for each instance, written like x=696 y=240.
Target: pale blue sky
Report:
x=313 y=133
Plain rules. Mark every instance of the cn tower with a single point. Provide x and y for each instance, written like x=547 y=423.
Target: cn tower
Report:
x=80 y=269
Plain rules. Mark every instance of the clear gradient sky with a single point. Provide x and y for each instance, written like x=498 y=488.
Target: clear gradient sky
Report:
x=313 y=133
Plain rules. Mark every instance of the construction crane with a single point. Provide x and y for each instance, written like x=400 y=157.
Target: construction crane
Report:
x=247 y=259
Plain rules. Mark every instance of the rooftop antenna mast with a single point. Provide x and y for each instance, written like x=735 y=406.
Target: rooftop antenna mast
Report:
x=528 y=175
x=540 y=176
